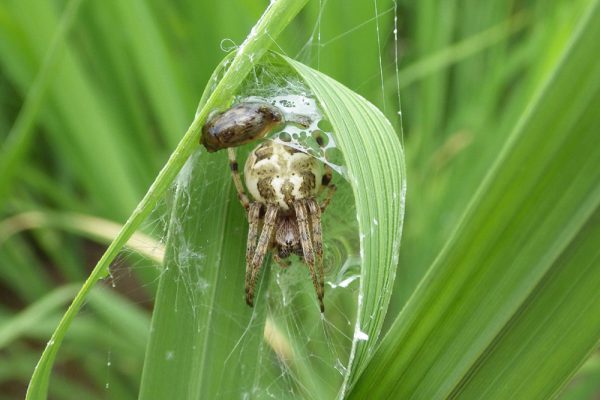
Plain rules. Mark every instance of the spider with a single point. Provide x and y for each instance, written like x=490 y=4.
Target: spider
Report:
x=285 y=217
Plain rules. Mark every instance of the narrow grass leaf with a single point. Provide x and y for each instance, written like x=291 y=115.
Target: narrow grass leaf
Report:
x=511 y=302
x=21 y=135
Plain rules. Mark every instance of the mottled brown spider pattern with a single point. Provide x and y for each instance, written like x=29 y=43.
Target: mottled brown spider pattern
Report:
x=284 y=216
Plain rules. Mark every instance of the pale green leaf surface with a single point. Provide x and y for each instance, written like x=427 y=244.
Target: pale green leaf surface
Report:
x=509 y=308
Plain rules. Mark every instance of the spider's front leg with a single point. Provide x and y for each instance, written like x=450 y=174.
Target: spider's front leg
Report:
x=237 y=181
x=327 y=177
x=326 y=183
x=261 y=249
x=253 y=224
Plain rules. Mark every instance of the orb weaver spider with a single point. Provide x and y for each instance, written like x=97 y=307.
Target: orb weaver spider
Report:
x=284 y=183
x=285 y=217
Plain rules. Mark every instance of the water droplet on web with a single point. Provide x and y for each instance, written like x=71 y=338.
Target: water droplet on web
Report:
x=360 y=335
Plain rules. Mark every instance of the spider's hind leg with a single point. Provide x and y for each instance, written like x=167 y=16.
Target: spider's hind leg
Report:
x=327 y=177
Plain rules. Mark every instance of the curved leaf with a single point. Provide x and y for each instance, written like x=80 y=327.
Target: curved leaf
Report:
x=375 y=163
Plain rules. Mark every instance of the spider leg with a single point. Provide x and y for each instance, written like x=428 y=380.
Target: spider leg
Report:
x=307 y=247
x=326 y=183
x=253 y=223
x=331 y=188
x=237 y=181
x=280 y=261
x=261 y=249
x=317 y=238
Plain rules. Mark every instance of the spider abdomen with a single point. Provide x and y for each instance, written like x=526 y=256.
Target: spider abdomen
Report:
x=279 y=174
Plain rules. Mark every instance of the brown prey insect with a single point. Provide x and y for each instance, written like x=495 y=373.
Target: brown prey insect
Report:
x=246 y=122
x=285 y=216
x=240 y=124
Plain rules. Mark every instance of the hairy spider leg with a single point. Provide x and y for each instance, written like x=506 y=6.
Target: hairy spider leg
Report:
x=307 y=247
x=237 y=181
x=317 y=238
x=261 y=249
x=253 y=224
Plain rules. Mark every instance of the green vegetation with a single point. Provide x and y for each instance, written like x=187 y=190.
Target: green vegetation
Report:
x=496 y=279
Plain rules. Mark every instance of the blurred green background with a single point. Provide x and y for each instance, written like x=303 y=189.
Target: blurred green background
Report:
x=87 y=123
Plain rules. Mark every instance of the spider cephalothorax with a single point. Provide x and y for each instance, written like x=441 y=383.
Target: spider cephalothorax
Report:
x=285 y=216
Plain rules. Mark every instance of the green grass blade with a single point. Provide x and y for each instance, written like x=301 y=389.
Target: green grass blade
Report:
x=37 y=311
x=22 y=133
x=509 y=308
x=274 y=20
x=152 y=60
x=83 y=131
x=459 y=51
x=99 y=229
x=550 y=335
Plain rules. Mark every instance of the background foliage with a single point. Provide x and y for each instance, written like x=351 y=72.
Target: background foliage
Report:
x=86 y=124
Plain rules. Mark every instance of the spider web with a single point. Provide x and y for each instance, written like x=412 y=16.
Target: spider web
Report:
x=299 y=346
x=302 y=354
